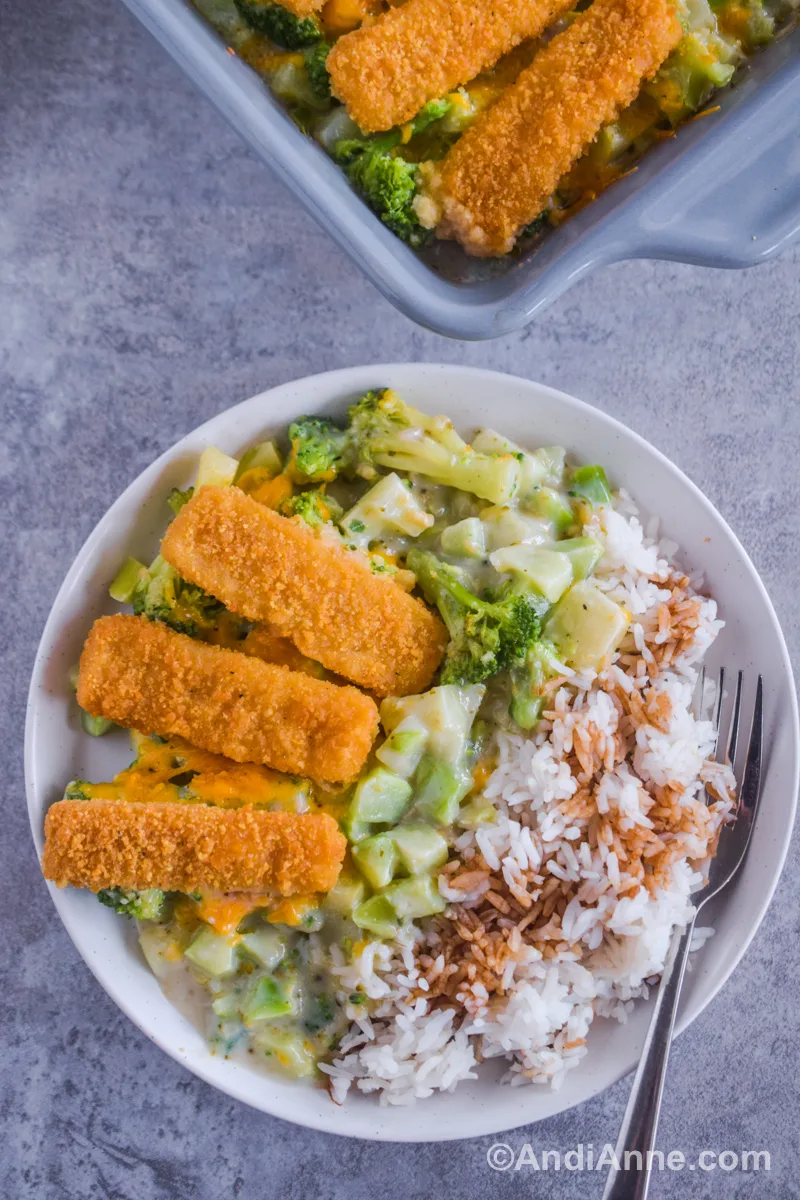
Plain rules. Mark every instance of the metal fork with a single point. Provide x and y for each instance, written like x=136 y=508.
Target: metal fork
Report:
x=639 y=1125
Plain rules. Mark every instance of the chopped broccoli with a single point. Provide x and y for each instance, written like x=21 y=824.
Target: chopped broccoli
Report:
x=161 y=595
x=77 y=789
x=319 y=450
x=278 y=24
x=313 y=506
x=386 y=431
x=317 y=71
x=145 y=906
x=386 y=180
x=527 y=680
x=176 y=499
x=485 y=637
x=387 y=183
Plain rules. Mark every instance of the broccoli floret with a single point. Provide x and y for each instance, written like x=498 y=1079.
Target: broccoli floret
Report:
x=386 y=431
x=317 y=71
x=313 y=506
x=145 y=906
x=320 y=450
x=176 y=499
x=279 y=25
x=161 y=595
x=387 y=183
x=485 y=637
x=386 y=180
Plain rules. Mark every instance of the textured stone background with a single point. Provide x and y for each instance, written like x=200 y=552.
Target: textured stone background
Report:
x=152 y=273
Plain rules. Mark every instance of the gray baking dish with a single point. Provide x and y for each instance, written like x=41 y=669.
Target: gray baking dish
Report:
x=725 y=192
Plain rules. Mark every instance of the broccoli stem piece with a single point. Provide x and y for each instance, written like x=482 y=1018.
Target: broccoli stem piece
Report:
x=278 y=24
x=385 y=430
x=527 y=681
x=485 y=637
x=147 y=905
x=176 y=499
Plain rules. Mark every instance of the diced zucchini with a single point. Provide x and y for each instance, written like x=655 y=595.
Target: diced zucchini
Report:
x=345 y=895
x=413 y=898
x=160 y=948
x=389 y=508
x=585 y=626
x=262 y=457
x=354 y=829
x=404 y=747
x=589 y=483
x=479 y=811
x=285 y=1049
x=216 y=468
x=584 y=553
x=447 y=712
x=553 y=508
x=420 y=847
x=125 y=580
x=95 y=726
x=548 y=571
x=267 y=1000
x=465 y=539
x=226 y=1004
x=377 y=916
x=508 y=527
x=266 y=946
x=377 y=859
x=381 y=797
x=439 y=789
x=214 y=953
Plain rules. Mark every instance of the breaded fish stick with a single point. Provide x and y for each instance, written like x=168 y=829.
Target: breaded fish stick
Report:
x=182 y=847
x=145 y=676
x=384 y=73
x=498 y=176
x=269 y=568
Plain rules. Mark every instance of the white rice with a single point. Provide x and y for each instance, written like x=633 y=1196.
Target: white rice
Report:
x=615 y=932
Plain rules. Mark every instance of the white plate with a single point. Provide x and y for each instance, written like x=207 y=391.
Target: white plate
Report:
x=56 y=750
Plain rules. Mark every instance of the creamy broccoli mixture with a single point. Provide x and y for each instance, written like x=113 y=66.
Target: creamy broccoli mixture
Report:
x=289 y=53
x=494 y=537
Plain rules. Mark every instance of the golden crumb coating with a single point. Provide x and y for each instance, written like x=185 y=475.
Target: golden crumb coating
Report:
x=318 y=594
x=185 y=847
x=384 y=73
x=302 y=8
x=145 y=676
x=499 y=175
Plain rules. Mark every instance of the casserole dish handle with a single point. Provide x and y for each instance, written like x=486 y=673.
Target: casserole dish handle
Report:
x=732 y=209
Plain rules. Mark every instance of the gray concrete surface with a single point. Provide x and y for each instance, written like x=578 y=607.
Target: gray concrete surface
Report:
x=152 y=273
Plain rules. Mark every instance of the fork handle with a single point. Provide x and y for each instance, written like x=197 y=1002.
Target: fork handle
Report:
x=640 y=1123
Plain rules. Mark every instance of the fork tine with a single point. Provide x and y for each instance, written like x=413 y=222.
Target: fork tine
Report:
x=750 y=790
x=733 y=739
x=718 y=713
x=699 y=695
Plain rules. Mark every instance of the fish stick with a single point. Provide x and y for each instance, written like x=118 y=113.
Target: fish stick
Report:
x=269 y=568
x=499 y=175
x=145 y=676
x=385 y=72
x=184 y=847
